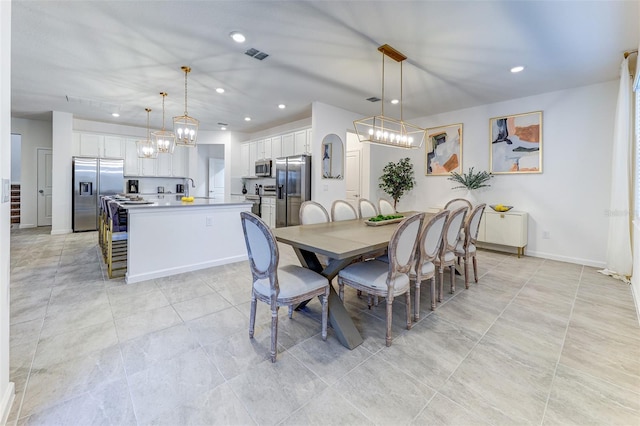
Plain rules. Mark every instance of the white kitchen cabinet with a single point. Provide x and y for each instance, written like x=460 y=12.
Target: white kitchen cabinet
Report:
x=300 y=142
x=113 y=147
x=180 y=161
x=288 y=147
x=269 y=211
x=260 y=149
x=131 y=160
x=148 y=167
x=506 y=229
x=276 y=147
x=267 y=149
x=309 y=141
x=97 y=145
x=164 y=165
x=244 y=159
x=252 y=158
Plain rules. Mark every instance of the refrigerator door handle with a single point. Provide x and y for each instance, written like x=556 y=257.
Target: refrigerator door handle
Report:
x=280 y=191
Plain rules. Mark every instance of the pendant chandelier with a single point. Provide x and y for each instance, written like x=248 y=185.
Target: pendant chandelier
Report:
x=147 y=148
x=165 y=140
x=389 y=131
x=185 y=127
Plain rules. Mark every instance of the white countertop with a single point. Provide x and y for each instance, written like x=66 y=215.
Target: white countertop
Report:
x=176 y=201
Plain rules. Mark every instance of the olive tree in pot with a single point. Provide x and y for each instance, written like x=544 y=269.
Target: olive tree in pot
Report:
x=397 y=178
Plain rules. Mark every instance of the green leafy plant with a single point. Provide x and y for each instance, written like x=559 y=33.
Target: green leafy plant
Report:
x=397 y=178
x=471 y=180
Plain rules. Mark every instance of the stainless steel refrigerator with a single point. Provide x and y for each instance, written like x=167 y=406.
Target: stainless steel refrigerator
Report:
x=293 y=187
x=93 y=177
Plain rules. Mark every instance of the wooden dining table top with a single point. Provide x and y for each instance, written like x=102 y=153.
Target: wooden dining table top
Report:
x=339 y=240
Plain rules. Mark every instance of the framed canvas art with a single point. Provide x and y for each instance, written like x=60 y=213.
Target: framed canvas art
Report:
x=516 y=143
x=443 y=150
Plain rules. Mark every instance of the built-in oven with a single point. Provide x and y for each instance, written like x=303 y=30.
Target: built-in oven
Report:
x=256 y=207
x=263 y=168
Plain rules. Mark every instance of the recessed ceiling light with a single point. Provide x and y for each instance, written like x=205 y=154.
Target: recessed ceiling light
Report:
x=237 y=37
x=394 y=101
x=517 y=69
x=282 y=106
x=247 y=119
x=115 y=114
x=223 y=128
x=219 y=90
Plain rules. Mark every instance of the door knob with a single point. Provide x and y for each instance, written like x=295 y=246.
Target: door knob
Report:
x=41 y=191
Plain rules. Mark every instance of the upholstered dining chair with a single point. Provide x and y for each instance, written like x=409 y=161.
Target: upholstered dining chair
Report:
x=450 y=238
x=466 y=249
x=428 y=248
x=386 y=208
x=342 y=210
x=388 y=279
x=456 y=203
x=367 y=208
x=286 y=286
x=312 y=212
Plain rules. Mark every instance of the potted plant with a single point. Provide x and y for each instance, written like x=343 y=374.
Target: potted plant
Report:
x=397 y=178
x=471 y=180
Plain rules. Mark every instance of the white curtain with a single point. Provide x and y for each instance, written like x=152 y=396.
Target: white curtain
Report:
x=619 y=258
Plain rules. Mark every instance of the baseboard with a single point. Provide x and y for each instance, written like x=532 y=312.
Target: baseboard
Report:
x=130 y=279
x=576 y=260
x=7 y=402
x=636 y=299
x=61 y=231
x=27 y=225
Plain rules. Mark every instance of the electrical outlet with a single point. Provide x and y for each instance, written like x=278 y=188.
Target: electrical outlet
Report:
x=209 y=221
x=546 y=235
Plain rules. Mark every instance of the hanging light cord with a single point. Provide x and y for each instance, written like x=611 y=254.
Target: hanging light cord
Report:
x=163 y=96
x=148 y=135
x=186 y=71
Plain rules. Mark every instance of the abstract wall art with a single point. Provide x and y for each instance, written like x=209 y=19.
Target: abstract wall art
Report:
x=516 y=143
x=443 y=150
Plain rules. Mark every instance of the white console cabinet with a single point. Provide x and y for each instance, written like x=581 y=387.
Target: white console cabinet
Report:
x=506 y=229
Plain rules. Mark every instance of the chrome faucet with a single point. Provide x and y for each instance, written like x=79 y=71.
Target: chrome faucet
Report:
x=186 y=186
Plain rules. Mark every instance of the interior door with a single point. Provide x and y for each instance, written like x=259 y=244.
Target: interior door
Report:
x=352 y=177
x=216 y=177
x=45 y=177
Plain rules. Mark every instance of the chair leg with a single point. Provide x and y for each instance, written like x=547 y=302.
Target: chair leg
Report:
x=441 y=284
x=341 y=289
x=252 y=315
x=475 y=268
x=389 y=317
x=290 y=311
x=416 y=313
x=369 y=301
x=452 y=271
x=274 y=333
x=433 y=292
x=466 y=273
x=325 y=313
x=408 y=309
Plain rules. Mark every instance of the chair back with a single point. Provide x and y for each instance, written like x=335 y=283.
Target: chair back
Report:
x=456 y=203
x=402 y=245
x=473 y=225
x=312 y=212
x=262 y=250
x=386 y=208
x=113 y=214
x=367 y=208
x=431 y=238
x=452 y=227
x=342 y=210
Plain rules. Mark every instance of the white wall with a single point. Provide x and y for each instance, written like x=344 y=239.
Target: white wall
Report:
x=7 y=393
x=568 y=200
x=327 y=119
x=35 y=134
x=62 y=135
x=16 y=148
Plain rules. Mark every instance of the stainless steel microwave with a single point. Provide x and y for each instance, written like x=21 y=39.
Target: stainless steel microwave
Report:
x=263 y=168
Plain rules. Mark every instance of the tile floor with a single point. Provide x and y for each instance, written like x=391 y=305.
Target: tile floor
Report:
x=534 y=342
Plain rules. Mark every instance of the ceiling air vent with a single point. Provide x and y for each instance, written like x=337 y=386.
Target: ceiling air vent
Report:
x=255 y=53
x=374 y=99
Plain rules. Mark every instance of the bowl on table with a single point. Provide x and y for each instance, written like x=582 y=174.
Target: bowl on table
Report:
x=501 y=207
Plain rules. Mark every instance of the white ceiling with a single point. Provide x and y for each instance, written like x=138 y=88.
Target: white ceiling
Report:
x=123 y=53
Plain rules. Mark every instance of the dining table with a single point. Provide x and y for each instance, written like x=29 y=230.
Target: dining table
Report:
x=342 y=243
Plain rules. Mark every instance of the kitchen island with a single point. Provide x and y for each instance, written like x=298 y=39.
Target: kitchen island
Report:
x=167 y=236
